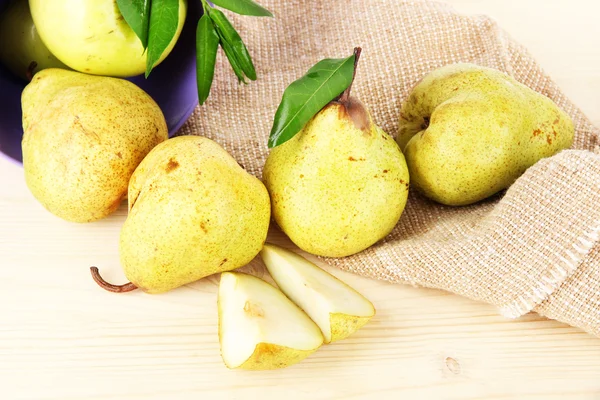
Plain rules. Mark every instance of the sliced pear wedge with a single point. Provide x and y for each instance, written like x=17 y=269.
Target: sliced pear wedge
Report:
x=338 y=309
x=259 y=327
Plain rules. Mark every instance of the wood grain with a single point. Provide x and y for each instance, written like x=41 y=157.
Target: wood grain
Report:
x=61 y=337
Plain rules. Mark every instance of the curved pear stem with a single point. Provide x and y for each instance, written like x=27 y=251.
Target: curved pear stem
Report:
x=30 y=69
x=346 y=93
x=128 y=287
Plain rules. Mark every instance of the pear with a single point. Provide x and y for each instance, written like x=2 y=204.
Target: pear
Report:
x=337 y=309
x=83 y=138
x=21 y=49
x=92 y=36
x=340 y=184
x=193 y=212
x=260 y=328
x=468 y=132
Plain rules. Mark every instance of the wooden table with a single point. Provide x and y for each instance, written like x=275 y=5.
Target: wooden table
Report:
x=61 y=337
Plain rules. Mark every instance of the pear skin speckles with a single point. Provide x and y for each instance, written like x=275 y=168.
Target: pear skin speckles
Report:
x=469 y=132
x=328 y=190
x=84 y=137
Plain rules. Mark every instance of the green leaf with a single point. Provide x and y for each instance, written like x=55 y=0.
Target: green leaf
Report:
x=164 y=19
x=306 y=96
x=207 y=44
x=243 y=7
x=137 y=15
x=231 y=36
x=233 y=61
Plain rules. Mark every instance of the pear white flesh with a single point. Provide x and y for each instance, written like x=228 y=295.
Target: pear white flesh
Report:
x=337 y=309
x=259 y=327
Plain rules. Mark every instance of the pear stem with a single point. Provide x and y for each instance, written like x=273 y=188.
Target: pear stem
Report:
x=346 y=93
x=128 y=287
x=29 y=72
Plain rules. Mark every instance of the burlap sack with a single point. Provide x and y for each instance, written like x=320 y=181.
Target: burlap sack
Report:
x=534 y=247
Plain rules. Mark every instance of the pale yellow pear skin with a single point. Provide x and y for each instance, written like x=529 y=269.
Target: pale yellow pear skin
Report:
x=83 y=138
x=268 y=356
x=344 y=325
x=469 y=131
x=193 y=212
x=340 y=184
x=21 y=49
x=259 y=327
x=338 y=309
x=92 y=36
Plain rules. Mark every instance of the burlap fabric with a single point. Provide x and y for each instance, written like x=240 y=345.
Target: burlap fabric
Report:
x=534 y=247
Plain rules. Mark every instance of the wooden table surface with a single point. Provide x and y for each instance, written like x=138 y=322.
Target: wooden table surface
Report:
x=61 y=337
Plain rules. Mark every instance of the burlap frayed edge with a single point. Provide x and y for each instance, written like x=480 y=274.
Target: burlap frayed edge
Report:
x=555 y=276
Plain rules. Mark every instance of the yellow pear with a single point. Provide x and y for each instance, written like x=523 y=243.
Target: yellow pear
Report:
x=340 y=184
x=260 y=328
x=193 y=212
x=336 y=308
x=468 y=132
x=92 y=36
x=83 y=137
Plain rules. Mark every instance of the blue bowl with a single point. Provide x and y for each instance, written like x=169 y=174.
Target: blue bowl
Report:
x=172 y=85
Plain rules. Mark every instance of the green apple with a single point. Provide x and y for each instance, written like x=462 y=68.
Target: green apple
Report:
x=21 y=49
x=92 y=36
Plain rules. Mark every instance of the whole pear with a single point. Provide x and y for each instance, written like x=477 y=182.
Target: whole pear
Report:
x=84 y=136
x=21 y=49
x=92 y=36
x=469 y=131
x=193 y=212
x=340 y=184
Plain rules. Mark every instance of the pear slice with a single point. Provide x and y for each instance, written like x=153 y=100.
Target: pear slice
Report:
x=338 y=309
x=260 y=328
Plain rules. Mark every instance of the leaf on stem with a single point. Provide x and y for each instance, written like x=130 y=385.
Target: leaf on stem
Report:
x=233 y=39
x=243 y=7
x=137 y=15
x=233 y=61
x=207 y=44
x=164 y=19
x=306 y=96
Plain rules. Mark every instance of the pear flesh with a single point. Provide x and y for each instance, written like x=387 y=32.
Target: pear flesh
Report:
x=193 y=212
x=340 y=184
x=92 y=36
x=260 y=328
x=83 y=138
x=336 y=308
x=21 y=49
x=468 y=132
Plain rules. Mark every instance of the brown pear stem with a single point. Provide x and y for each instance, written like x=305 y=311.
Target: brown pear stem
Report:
x=29 y=72
x=128 y=287
x=346 y=93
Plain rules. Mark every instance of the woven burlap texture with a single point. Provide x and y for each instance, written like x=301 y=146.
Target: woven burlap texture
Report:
x=533 y=247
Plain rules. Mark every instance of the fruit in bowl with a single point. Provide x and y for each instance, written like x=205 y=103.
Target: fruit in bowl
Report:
x=175 y=93
x=21 y=48
x=93 y=37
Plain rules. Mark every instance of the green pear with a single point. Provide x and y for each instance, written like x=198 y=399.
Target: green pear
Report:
x=340 y=184
x=336 y=308
x=83 y=137
x=92 y=36
x=468 y=132
x=193 y=212
x=259 y=327
x=21 y=49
